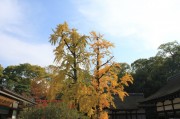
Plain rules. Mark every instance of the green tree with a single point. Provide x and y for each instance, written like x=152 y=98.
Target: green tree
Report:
x=1 y=74
x=170 y=49
x=148 y=75
x=124 y=68
x=52 y=111
x=18 y=77
x=171 y=53
x=152 y=73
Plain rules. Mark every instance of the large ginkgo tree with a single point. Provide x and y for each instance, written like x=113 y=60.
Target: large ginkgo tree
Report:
x=86 y=76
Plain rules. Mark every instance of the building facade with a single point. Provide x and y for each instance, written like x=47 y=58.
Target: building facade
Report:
x=165 y=103
x=129 y=108
x=11 y=103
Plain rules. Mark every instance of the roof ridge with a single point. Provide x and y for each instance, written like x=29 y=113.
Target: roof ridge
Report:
x=137 y=94
x=174 y=77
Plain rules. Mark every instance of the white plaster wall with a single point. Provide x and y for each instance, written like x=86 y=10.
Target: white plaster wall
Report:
x=169 y=107
x=176 y=106
x=167 y=102
x=159 y=104
x=176 y=100
x=160 y=109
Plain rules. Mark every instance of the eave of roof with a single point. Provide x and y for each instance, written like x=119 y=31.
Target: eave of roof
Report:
x=130 y=102
x=14 y=95
x=171 y=88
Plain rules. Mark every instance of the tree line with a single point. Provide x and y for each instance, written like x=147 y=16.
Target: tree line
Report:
x=150 y=74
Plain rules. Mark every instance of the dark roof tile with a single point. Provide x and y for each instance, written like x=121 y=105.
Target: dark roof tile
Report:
x=130 y=102
x=172 y=86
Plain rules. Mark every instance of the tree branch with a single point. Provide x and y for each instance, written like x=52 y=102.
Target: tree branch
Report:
x=107 y=61
x=80 y=40
x=105 y=72
x=81 y=60
x=68 y=47
x=70 y=75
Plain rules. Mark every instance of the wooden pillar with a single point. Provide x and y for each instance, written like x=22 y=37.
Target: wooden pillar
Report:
x=174 y=112
x=165 y=114
x=136 y=115
x=112 y=114
x=115 y=116
x=131 y=114
x=157 y=114
x=126 y=115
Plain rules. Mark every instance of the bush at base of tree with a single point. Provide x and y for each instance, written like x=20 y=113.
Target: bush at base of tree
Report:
x=52 y=111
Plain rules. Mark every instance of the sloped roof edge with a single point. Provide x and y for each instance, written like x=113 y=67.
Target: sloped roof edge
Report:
x=14 y=95
x=171 y=88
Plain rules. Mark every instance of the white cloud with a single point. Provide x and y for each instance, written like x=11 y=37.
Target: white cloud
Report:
x=139 y=27
x=16 y=51
x=8 y=8
x=153 y=22
x=16 y=44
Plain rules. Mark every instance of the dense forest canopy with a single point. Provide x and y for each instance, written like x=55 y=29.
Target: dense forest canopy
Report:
x=151 y=74
x=21 y=78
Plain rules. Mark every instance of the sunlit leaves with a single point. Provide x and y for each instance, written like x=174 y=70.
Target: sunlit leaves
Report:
x=70 y=51
x=39 y=88
x=89 y=92
x=105 y=78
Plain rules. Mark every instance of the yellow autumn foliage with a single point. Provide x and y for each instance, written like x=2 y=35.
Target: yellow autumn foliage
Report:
x=105 y=79
x=103 y=115
x=89 y=92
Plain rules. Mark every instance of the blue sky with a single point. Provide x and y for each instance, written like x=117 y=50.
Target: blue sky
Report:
x=136 y=27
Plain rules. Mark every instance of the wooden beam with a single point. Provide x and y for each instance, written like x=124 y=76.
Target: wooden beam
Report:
x=165 y=114
x=136 y=115
x=131 y=114
x=174 y=112
x=126 y=115
x=157 y=114
x=112 y=114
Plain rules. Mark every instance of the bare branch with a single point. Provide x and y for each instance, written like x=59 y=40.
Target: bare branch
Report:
x=107 y=61
x=81 y=60
x=70 y=76
x=105 y=72
x=68 y=47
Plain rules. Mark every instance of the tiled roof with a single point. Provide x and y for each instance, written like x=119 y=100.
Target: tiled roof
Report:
x=130 y=102
x=14 y=95
x=172 y=87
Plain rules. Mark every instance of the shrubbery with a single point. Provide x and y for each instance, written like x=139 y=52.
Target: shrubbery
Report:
x=52 y=111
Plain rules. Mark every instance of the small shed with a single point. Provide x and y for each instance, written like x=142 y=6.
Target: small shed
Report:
x=129 y=108
x=165 y=103
x=11 y=103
